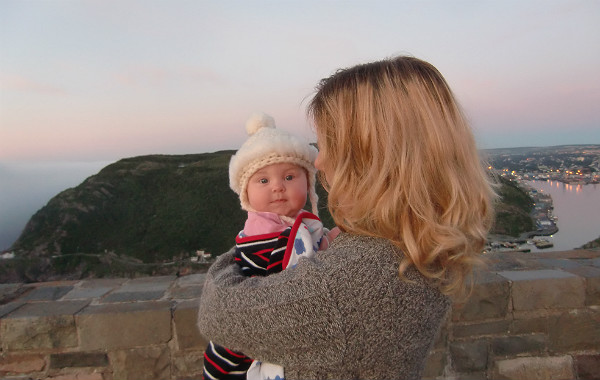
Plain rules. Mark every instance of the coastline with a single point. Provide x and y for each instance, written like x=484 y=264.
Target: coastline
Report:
x=544 y=219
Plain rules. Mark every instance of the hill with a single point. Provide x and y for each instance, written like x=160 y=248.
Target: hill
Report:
x=143 y=214
x=513 y=210
x=149 y=214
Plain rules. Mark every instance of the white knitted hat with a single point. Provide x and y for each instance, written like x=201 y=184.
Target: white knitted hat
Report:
x=268 y=145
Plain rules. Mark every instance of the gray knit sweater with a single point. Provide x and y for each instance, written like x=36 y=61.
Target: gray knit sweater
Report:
x=344 y=314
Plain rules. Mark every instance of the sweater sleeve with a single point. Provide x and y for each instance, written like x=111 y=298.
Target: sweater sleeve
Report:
x=287 y=318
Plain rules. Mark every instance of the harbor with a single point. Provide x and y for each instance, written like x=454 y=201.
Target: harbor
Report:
x=545 y=222
x=566 y=217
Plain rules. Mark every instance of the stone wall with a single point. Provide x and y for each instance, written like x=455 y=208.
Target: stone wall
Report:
x=533 y=316
x=102 y=329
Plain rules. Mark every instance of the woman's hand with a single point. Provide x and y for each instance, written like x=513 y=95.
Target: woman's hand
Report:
x=328 y=238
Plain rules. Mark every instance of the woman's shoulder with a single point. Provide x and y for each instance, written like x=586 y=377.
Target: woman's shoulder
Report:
x=376 y=260
x=362 y=247
x=346 y=240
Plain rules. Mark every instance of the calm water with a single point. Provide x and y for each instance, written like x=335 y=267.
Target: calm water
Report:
x=578 y=210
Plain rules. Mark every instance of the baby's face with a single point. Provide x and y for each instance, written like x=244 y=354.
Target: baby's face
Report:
x=278 y=188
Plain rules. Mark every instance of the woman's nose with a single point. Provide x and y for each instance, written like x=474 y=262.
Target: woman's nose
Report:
x=318 y=161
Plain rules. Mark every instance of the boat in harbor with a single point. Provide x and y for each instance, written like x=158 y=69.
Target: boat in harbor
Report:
x=543 y=243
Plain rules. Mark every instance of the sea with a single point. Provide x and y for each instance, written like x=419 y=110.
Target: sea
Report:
x=25 y=187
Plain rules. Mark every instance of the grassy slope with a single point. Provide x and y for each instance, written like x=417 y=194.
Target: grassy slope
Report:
x=512 y=210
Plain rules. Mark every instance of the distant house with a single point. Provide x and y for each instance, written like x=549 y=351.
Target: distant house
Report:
x=202 y=255
x=7 y=255
x=544 y=224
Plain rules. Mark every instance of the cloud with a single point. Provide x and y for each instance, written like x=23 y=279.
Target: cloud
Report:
x=22 y=84
x=155 y=76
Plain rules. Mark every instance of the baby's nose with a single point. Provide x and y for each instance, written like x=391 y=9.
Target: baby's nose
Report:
x=278 y=186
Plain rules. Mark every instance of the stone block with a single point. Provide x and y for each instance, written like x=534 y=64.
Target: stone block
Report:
x=515 y=345
x=102 y=282
x=188 y=292
x=587 y=366
x=536 y=314
x=507 y=261
x=479 y=329
x=87 y=293
x=469 y=356
x=9 y=308
x=147 y=363
x=575 y=330
x=155 y=279
x=592 y=283
x=545 y=289
x=489 y=299
x=535 y=368
x=148 y=283
x=41 y=325
x=435 y=364
x=48 y=309
x=196 y=279
x=78 y=359
x=124 y=325
x=46 y=293
x=41 y=333
x=441 y=340
x=592 y=291
x=188 y=365
x=78 y=374
x=151 y=295
x=185 y=317
x=467 y=376
x=141 y=289
x=530 y=325
x=93 y=288
x=595 y=262
x=560 y=263
x=21 y=363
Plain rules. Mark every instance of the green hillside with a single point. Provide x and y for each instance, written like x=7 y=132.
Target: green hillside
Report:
x=151 y=208
x=513 y=210
x=149 y=214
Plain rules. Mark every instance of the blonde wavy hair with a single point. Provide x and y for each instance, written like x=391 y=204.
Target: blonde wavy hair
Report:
x=403 y=165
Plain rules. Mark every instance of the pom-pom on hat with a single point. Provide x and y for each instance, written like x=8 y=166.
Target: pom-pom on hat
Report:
x=268 y=145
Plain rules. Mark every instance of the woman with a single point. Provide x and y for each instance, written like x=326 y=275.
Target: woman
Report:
x=413 y=203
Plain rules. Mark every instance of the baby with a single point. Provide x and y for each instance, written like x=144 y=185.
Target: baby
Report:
x=274 y=174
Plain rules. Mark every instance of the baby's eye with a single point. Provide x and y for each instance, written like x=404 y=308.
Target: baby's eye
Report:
x=263 y=180
x=289 y=177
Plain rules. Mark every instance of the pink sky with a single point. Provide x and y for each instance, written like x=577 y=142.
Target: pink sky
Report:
x=102 y=80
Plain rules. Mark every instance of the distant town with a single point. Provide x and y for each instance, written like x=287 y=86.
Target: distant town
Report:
x=571 y=164
x=575 y=164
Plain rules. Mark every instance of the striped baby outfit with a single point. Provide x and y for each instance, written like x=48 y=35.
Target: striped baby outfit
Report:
x=262 y=255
